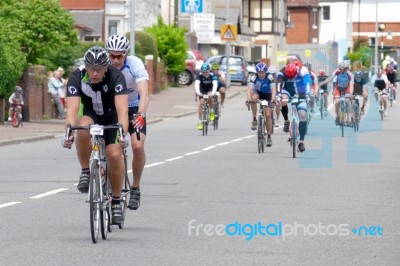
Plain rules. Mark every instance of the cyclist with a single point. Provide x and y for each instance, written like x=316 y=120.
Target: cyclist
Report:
x=206 y=83
x=272 y=71
x=344 y=82
x=16 y=100
x=102 y=90
x=295 y=79
x=360 y=84
x=381 y=83
x=391 y=74
x=314 y=87
x=136 y=78
x=221 y=82
x=261 y=87
x=322 y=77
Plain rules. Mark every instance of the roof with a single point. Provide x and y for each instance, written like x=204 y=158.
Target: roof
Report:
x=91 y=19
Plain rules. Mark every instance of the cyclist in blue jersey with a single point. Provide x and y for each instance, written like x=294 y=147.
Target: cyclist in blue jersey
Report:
x=136 y=78
x=295 y=79
x=261 y=87
x=206 y=84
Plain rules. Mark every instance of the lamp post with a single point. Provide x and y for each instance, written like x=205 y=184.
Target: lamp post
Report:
x=381 y=29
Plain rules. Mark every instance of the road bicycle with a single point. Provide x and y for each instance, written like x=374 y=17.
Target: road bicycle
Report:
x=380 y=103
x=99 y=195
x=321 y=101
x=261 y=133
x=294 y=134
x=206 y=115
x=16 y=119
x=357 y=115
x=217 y=111
x=391 y=95
x=342 y=112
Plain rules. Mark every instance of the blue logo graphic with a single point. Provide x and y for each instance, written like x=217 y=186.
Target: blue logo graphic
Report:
x=192 y=6
x=357 y=148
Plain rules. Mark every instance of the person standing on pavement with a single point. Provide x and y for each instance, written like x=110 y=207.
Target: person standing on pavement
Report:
x=62 y=91
x=136 y=78
x=54 y=85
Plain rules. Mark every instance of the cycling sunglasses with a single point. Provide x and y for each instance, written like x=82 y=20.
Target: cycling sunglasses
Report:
x=93 y=68
x=119 y=56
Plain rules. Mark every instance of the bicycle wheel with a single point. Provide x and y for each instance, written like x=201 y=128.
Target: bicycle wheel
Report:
x=391 y=97
x=381 y=109
x=94 y=202
x=216 y=114
x=356 y=117
x=321 y=106
x=105 y=212
x=126 y=191
x=294 y=138
x=342 y=122
x=205 y=119
x=16 y=120
x=260 y=134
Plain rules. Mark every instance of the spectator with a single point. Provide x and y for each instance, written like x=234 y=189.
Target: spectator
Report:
x=54 y=85
x=62 y=91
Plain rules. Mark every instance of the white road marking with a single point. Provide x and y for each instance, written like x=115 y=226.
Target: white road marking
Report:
x=235 y=140
x=49 y=193
x=223 y=143
x=153 y=164
x=247 y=137
x=209 y=148
x=191 y=153
x=173 y=159
x=9 y=204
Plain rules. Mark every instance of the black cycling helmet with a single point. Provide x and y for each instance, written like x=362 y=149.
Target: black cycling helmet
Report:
x=96 y=56
x=308 y=65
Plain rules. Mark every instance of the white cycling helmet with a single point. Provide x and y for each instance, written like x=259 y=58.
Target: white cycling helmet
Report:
x=272 y=69
x=117 y=43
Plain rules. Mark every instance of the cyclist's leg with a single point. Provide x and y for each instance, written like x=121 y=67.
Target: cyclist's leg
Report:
x=336 y=96
x=385 y=103
x=285 y=96
x=349 y=109
x=365 y=99
x=222 y=91
x=83 y=148
x=10 y=112
x=254 y=96
x=302 y=113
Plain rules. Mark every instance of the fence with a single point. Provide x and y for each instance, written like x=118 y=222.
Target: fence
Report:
x=321 y=56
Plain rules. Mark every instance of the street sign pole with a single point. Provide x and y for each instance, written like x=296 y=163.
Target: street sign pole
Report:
x=227 y=50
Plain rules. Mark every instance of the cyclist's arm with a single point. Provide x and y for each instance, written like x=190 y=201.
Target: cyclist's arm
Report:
x=10 y=100
x=142 y=87
x=121 y=106
x=326 y=81
x=197 y=87
x=215 y=86
x=73 y=103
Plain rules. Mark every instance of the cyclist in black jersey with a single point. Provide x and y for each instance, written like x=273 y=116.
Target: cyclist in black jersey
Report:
x=391 y=74
x=206 y=84
x=102 y=90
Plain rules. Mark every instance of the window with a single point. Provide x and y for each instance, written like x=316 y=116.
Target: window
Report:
x=326 y=13
x=261 y=15
x=112 y=27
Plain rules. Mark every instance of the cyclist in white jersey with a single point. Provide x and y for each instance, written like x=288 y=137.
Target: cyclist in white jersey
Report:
x=136 y=78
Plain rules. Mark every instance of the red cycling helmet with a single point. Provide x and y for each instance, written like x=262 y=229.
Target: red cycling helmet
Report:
x=298 y=63
x=290 y=70
x=322 y=72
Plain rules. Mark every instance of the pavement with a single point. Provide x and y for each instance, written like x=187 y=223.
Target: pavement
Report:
x=173 y=102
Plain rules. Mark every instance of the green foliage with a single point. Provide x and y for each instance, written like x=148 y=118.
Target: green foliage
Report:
x=363 y=54
x=38 y=32
x=171 y=45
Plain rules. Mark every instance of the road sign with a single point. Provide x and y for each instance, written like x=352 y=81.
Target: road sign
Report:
x=228 y=32
x=281 y=56
x=203 y=25
x=307 y=53
x=191 y=6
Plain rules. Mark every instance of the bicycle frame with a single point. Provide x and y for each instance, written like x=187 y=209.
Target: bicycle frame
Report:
x=380 y=102
x=342 y=111
x=261 y=122
x=391 y=95
x=294 y=125
x=321 y=103
x=206 y=115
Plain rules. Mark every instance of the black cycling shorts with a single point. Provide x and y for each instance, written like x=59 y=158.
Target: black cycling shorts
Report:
x=109 y=118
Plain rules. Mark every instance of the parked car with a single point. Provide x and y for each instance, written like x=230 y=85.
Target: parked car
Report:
x=193 y=58
x=237 y=66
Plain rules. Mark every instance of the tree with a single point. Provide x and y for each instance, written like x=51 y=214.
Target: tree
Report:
x=171 y=45
x=32 y=32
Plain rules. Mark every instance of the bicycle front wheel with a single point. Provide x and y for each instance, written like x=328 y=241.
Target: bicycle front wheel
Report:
x=294 y=138
x=94 y=202
x=16 y=120
x=216 y=115
x=321 y=106
x=260 y=134
x=126 y=190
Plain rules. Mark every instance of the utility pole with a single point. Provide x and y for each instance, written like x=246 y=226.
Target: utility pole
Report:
x=132 y=28
x=227 y=50
x=176 y=12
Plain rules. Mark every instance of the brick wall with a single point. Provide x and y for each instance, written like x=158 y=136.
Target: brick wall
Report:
x=300 y=33
x=83 y=5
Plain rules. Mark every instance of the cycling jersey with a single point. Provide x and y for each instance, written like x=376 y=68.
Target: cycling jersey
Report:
x=359 y=82
x=391 y=76
x=134 y=71
x=99 y=97
x=321 y=79
x=262 y=85
x=16 y=100
x=206 y=83
x=380 y=82
x=301 y=84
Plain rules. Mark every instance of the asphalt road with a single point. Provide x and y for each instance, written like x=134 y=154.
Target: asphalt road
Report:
x=214 y=200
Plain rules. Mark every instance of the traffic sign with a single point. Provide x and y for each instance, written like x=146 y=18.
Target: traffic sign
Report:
x=228 y=32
